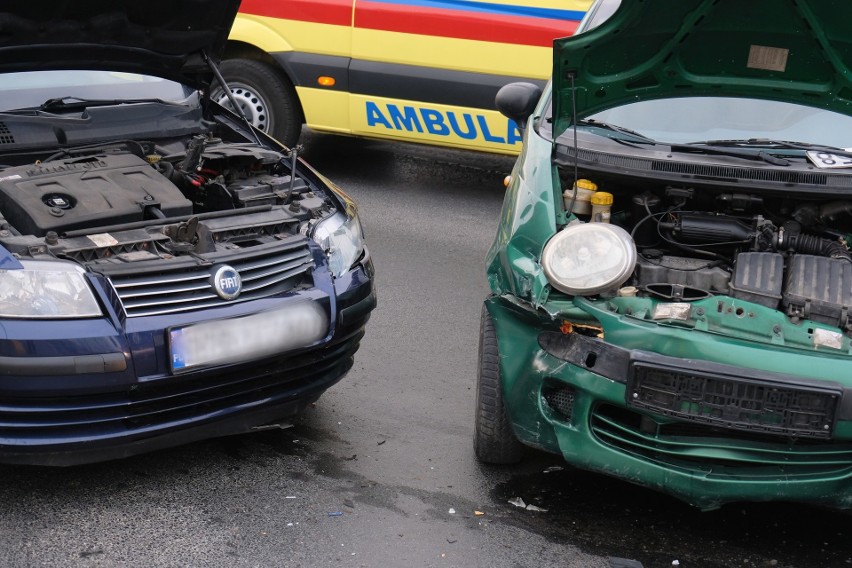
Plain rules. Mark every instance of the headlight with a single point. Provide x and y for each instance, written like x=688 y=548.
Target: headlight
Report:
x=46 y=289
x=341 y=238
x=589 y=258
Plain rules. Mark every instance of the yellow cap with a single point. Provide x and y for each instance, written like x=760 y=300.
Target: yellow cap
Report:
x=586 y=184
x=601 y=198
x=507 y=180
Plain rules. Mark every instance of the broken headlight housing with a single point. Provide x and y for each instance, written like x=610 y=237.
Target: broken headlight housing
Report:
x=342 y=239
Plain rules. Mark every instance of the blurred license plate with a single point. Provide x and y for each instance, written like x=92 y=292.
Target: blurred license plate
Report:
x=245 y=338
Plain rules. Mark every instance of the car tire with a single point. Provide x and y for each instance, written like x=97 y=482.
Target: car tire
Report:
x=493 y=440
x=266 y=96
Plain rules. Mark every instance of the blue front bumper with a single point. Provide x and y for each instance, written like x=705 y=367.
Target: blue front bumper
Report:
x=85 y=391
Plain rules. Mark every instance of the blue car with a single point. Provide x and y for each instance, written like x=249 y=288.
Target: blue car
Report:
x=167 y=272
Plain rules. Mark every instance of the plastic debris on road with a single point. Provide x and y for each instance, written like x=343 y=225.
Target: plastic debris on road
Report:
x=623 y=563
x=518 y=502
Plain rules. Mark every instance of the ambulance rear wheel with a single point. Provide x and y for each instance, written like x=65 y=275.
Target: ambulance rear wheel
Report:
x=267 y=98
x=493 y=438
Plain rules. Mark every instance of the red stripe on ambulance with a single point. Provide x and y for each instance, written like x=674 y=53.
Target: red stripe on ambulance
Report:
x=335 y=12
x=461 y=24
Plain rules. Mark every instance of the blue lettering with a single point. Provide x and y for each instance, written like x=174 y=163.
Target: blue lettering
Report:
x=486 y=133
x=514 y=133
x=407 y=119
x=375 y=116
x=463 y=125
x=470 y=134
x=434 y=122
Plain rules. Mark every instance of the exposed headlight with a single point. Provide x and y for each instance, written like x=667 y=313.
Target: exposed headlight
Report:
x=589 y=258
x=46 y=289
x=343 y=241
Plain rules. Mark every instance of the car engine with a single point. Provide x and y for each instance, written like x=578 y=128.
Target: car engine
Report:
x=782 y=253
x=126 y=201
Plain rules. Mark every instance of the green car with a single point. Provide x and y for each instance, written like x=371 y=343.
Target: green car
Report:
x=672 y=278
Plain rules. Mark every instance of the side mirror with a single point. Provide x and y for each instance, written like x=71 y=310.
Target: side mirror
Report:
x=517 y=101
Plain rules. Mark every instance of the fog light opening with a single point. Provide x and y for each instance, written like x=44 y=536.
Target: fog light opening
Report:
x=560 y=400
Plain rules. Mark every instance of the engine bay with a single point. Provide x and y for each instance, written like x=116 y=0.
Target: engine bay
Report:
x=781 y=252
x=130 y=200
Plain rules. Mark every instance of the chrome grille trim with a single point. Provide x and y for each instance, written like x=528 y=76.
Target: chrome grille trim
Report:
x=170 y=290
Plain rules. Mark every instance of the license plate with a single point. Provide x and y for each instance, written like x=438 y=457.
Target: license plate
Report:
x=245 y=338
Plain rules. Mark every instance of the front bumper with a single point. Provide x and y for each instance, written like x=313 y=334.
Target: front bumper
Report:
x=575 y=395
x=106 y=391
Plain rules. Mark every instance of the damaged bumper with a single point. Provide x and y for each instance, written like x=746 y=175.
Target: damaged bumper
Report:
x=677 y=409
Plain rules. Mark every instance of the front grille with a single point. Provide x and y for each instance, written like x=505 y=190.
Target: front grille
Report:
x=157 y=289
x=773 y=407
x=716 y=452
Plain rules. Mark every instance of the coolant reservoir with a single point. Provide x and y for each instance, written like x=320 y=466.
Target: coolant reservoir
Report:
x=601 y=204
x=582 y=204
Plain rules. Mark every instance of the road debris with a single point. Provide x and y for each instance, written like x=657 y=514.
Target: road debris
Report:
x=518 y=502
x=623 y=563
x=335 y=514
x=452 y=511
x=478 y=513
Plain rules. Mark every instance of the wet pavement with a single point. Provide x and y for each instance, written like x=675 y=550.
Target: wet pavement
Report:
x=380 y=472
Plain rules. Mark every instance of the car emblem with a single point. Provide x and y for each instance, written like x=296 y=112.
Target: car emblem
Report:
x=227 y=282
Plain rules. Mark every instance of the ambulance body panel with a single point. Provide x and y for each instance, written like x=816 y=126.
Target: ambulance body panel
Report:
x=416 y=70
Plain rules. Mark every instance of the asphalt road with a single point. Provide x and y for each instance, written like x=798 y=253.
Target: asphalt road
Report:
x=381 y=473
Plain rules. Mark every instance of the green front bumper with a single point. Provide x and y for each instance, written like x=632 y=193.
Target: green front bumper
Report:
x=573 y=402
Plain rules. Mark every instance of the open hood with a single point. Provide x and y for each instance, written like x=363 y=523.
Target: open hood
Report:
x=794 y=51
x=164 y=38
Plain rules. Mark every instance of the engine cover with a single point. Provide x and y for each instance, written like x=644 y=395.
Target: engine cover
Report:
x=85 y=193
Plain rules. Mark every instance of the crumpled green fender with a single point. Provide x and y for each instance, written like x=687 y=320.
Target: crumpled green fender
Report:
x=527 y=221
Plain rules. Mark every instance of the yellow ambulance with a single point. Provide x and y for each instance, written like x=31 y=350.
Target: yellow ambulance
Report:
x=415 y=70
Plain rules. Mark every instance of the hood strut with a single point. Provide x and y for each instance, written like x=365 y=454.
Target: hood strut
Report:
x=237 y=108
x=576 y=150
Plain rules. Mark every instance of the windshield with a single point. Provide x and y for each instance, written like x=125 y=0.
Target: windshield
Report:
x=33 y=88
x=698 y=119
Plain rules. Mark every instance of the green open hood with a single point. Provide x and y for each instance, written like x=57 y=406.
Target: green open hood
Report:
x=796 y=51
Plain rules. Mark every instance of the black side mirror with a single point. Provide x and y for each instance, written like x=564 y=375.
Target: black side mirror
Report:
x=517 y=101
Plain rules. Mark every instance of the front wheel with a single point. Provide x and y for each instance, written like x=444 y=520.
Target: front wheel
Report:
x=266 y=97
x=493 y=440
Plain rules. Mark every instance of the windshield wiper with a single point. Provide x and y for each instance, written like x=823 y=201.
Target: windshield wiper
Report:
x=619 y=129
x=69 y=103
x=734 y=151
x=76 y=103
x=776 y=145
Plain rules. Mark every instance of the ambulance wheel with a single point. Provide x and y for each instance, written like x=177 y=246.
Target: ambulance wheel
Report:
x=493 y=438
x=267 y=98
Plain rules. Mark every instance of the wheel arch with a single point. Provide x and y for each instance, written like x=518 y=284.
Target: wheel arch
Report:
x=253 y=33
x=235 y=49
